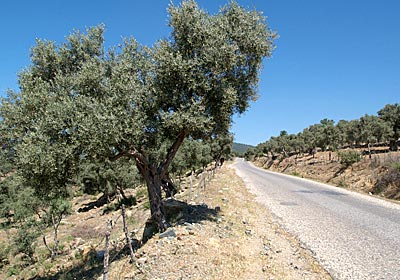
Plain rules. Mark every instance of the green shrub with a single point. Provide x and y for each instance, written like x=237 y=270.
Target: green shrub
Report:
x=111 y=207
x=25 y=240
x=342 y=183
x=128 y=202
x=348 y=158
x=14 y=270
x=297 y=174
x=4 y=250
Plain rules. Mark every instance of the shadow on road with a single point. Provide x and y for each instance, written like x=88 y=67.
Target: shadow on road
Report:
x=321 y=192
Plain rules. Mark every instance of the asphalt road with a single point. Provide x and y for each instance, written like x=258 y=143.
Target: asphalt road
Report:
x=354 y=236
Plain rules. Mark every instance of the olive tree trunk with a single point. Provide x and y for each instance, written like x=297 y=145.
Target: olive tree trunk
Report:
x=153 y=176
x=153 y=182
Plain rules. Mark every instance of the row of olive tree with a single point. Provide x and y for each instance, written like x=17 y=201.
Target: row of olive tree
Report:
x=326 y=135
x=80 y=102
x=198 y=154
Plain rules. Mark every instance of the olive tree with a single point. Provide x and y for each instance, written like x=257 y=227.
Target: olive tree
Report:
x=78 y=101
x=221 y=148
x=391 y=115
x=373 y=129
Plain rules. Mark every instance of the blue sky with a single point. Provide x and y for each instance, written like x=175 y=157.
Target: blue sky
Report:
x=334 y=59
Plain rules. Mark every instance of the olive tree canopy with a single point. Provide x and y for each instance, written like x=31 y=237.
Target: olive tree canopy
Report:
x=78 y=100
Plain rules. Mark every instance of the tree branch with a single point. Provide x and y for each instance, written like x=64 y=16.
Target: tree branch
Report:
x=140 y=158
x=162 y=169
x=47 y=246
x=133 y=153
x=120 y=155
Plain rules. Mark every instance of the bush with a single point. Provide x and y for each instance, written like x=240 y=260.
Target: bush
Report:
x=297 y=174
x=342 y=183
x=348 y=158
x=25 y=240
x=4 y=251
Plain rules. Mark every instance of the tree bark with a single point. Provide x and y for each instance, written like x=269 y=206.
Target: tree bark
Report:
x=156 y=206
x=168 y=187
x=163 y=167
x=191 y=185
x=56 y=224
x=153 y=176
x=153 y=182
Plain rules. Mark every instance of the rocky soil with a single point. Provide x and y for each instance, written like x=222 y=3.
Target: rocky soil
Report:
x=218 y=231
x=239 y=242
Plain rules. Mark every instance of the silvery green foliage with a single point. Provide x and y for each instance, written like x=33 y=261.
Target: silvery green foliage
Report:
x=78 y=101
x=373 y=129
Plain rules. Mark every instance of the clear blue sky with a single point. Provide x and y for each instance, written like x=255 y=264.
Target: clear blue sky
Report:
x=334 y=59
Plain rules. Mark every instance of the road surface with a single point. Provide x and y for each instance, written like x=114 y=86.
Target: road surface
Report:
x=354 y=236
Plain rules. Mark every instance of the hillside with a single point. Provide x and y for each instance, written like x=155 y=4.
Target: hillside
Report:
x=378 y=175
x=218 y=232
x=240 y=148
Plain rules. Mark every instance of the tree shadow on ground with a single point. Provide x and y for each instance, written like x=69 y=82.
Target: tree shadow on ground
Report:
x=107 y=200
x=101 y=201
x=182 y=212
x=92 y=267
x=82 y=271
x=177 y=212
x=287 y=167
x=337 y=173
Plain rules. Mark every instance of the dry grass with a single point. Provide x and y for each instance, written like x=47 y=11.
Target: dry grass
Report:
x=87 y=232
x=388 y=183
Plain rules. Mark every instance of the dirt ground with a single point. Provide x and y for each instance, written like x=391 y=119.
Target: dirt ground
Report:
x=240 y=241
x=221 y=233
x=218 y=232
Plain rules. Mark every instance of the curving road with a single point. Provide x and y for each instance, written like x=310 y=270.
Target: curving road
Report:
x=353 y=236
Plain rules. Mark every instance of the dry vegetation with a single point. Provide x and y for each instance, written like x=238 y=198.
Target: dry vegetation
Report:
x=220 y=233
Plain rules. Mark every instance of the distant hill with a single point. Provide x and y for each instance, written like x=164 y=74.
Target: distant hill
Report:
x=240 y=148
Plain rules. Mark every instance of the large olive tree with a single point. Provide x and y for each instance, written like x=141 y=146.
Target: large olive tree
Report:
x=79 y=101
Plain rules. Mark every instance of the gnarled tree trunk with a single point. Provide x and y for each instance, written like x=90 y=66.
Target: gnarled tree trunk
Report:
x=153 y=175
x=168 y=187
x=153 y=182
